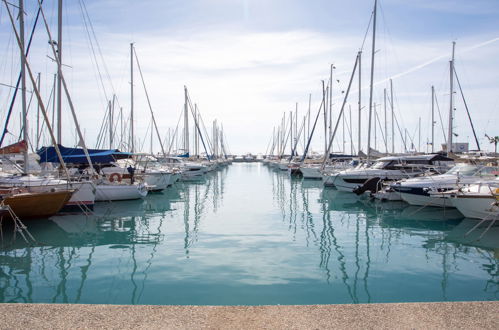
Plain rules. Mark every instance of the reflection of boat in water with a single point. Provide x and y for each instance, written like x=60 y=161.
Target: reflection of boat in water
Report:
x=120 y=208
x=343 y=201
x=77 y=223
x=310 y=184
x=157 y=203
x=430 y=213
x=479 y=237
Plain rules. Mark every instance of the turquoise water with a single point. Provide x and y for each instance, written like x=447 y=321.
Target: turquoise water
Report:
x=248 y=235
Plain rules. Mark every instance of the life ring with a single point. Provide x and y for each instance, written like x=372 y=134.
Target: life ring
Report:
x=115 y=176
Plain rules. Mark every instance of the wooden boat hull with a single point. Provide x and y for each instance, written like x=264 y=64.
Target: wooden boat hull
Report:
x=37 y=205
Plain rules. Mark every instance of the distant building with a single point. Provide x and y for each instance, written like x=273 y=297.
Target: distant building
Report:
x=457 y=147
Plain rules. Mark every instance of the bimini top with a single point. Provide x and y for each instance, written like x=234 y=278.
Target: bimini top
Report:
x=77 y=155
x=416 y=158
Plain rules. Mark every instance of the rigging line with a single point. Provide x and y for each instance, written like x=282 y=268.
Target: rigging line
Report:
x=174 y=135
x=436 y=59
x=197 y=125
x=102 y=129
x=28 y=47
x=381 y=130
x=149 y=103
x=106 y=71
x=466 y=107
x=367 y=31
x=207 y=136
x=94 y=56
x=441 y=121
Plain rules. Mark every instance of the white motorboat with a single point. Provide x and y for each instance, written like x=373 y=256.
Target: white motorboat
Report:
x=390 y=169
x=189 y=170
x=478 y=201
x=431 y=190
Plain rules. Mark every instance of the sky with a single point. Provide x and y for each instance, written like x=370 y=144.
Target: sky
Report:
x=246 y=62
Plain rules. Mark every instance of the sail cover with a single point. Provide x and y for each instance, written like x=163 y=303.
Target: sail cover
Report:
x=77 y=155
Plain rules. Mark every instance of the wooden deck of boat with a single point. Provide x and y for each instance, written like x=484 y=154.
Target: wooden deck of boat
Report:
x=448 y=315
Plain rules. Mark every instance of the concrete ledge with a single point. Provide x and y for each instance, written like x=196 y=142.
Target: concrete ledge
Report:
x=454 y=315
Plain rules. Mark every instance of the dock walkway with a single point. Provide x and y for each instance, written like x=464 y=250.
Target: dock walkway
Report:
x=448 y=315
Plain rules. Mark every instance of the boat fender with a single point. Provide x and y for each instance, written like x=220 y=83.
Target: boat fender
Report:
x=115 y=176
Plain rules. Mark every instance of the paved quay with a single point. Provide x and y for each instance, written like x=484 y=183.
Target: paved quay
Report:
x=448 y=315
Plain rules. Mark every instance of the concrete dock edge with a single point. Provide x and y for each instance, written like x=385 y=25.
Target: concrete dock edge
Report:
x=446 y=315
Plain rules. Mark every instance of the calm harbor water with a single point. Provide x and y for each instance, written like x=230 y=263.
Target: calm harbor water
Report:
x=248 y=235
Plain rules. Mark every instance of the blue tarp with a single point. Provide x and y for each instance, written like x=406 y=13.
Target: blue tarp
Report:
x=77 y=155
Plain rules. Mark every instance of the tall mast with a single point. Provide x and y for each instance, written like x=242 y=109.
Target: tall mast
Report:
x=59 y=79
x=186 y=123
x=331 y=101
x=359 y=57
x=393 y=117
x=291 y=126
x=432 y=119
x=196 y=137
x=38 y=115
x=23 y=83
x=324 y=97
x=386 y=122
x=110 y=125
x=351 y=128
x=296 y=125
x=451 y=108
x=132 y=136
x=308 y=124
x=372 y=83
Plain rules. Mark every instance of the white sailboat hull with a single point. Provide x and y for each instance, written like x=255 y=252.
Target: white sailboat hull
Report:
x=119 y=192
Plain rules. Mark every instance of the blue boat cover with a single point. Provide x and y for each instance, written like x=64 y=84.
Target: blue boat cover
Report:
x=77 y=155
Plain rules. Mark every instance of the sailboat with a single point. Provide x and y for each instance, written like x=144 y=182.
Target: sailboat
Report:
x=26 y=205
x=82 y=194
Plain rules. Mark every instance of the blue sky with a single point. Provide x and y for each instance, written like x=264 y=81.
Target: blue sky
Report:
x=246 y=62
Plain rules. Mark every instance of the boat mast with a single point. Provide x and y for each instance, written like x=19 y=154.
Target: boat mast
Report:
x=359 y=57
x=331 y=100
x=371 y=84
x=386 y=122
x=291 y=127
x=23 y=84
x=110 y=125
x=38 y=116
x=451 y=108
x=186 y=124
x=59 y=69
x=432 y=119
x=393 y=117
x=132 y=148
x=324 y=96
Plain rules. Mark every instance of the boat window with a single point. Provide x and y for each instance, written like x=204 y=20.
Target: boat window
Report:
x=380 y=164
x=466 y=170
x=488 y=171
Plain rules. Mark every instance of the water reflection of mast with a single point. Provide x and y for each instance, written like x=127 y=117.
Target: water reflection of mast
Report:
x=61 y=288
x=84 y=271
x=153 y=253
x=307 y=216
x=186 y=220
x=328 y=237
x=134 y=269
